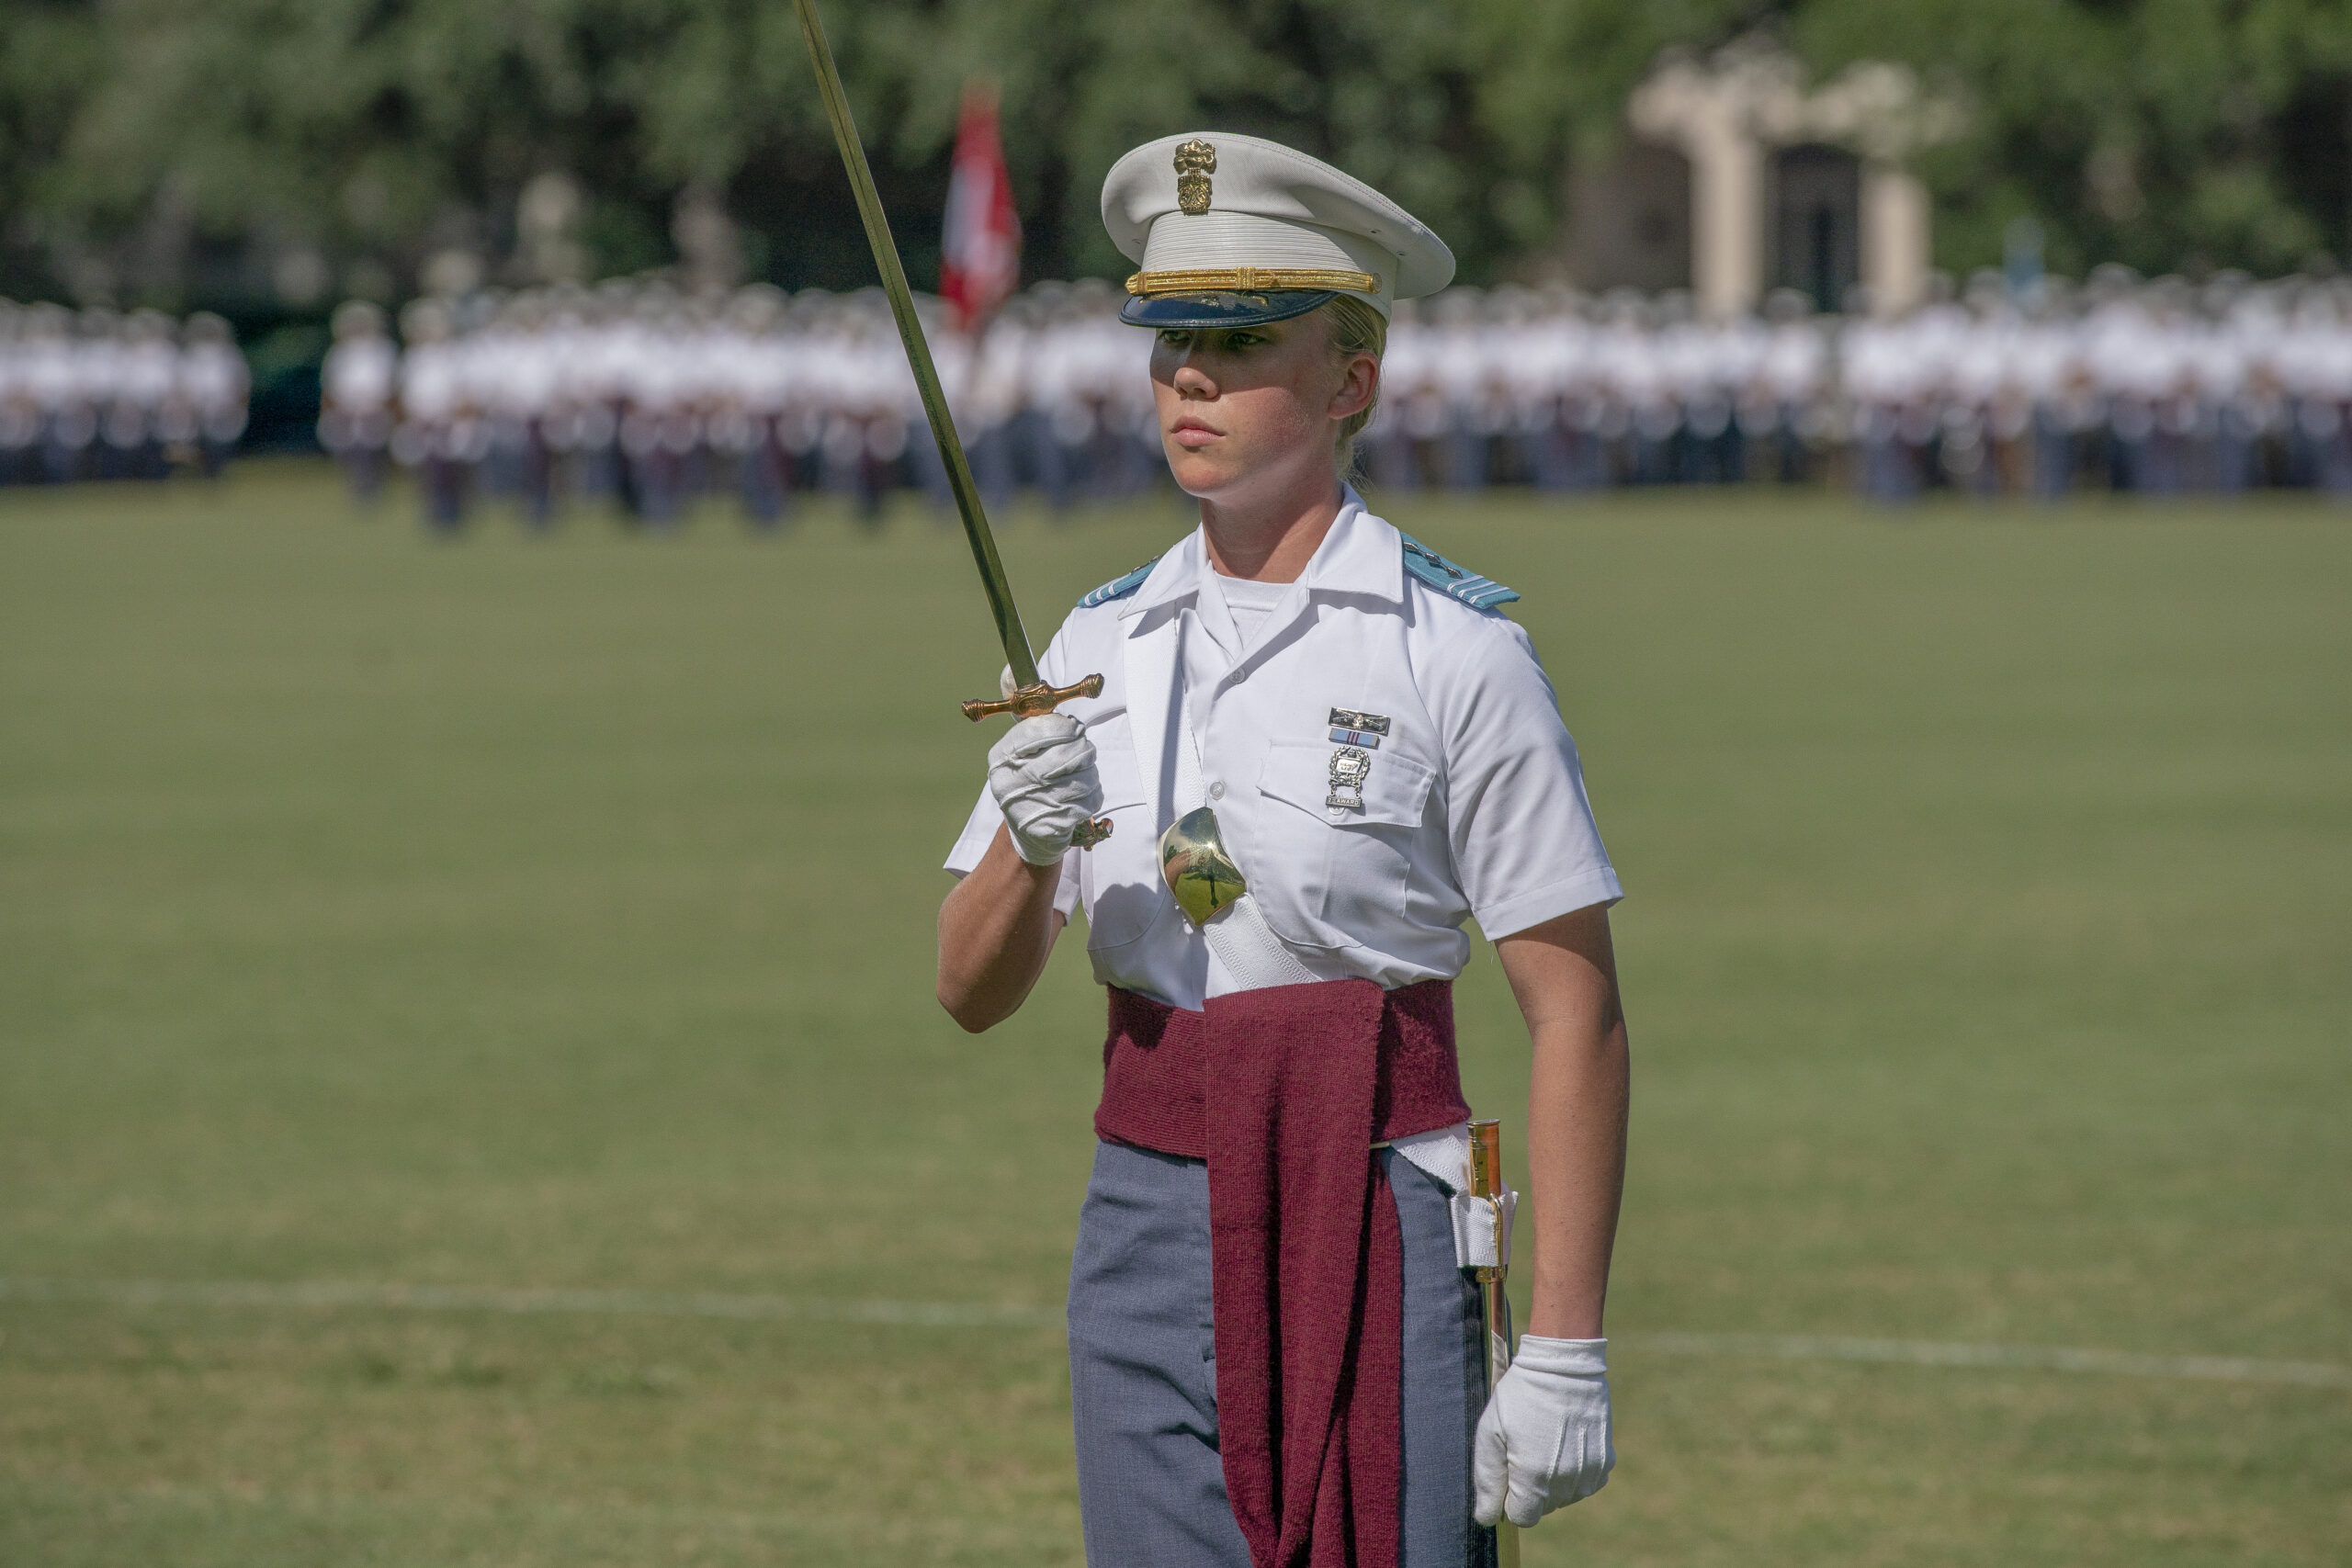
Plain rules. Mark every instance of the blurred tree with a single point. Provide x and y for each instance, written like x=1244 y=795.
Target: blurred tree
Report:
x=382 y=133
x=163 y=147
x=2162 y=133
x=51 y=54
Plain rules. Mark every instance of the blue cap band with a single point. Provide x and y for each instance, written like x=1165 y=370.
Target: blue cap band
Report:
x=1198 y=312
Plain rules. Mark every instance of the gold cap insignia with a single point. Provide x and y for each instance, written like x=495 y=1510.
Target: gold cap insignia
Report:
x=1195 y=162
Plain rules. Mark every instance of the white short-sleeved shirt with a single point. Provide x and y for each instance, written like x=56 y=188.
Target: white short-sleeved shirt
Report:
x=1474 y=804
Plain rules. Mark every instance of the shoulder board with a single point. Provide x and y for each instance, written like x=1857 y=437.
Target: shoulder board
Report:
x=1455 y=581
x=1119 y=587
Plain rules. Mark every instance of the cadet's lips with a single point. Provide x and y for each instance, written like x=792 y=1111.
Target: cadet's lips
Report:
x=1192 y=434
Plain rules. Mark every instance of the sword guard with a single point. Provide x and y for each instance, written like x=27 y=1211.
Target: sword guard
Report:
x=1031 y=701
x=1028 y=702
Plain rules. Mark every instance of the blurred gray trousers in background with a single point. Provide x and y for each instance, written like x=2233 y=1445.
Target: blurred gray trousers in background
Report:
x=1143 y=1372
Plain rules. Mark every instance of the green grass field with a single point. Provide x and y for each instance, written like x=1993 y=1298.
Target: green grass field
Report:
x=558 y=914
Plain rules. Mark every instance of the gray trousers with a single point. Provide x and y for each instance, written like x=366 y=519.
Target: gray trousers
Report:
x=1143 y=1372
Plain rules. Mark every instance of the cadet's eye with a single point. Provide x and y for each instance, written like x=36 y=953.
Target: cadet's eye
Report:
x=1174 y=338
x=1240 y=339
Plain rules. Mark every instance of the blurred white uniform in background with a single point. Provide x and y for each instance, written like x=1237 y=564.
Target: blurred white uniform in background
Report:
x=635 y=394
x=95 y=394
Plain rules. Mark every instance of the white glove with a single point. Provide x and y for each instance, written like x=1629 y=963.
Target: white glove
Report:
x=1041 y=774
x=1544 y=1441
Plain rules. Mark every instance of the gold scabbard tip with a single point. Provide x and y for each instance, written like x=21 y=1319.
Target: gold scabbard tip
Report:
x=1485 y=1158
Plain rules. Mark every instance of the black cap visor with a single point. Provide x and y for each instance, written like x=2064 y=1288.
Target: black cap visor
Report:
x=1196 y=312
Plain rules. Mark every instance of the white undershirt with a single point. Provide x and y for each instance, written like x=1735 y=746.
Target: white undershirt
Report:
x=1250 y=603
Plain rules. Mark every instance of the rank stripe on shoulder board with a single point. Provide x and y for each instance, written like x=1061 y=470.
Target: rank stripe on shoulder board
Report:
x=1119 y=587
x=1454 y=582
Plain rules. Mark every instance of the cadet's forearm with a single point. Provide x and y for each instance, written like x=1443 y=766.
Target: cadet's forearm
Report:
x=1576 y=1145
x=996 y=930
x=1564 y=976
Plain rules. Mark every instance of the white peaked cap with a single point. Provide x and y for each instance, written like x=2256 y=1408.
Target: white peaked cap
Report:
x=1222 y=220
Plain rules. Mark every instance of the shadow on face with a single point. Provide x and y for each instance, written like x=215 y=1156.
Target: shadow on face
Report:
x=1254 y=409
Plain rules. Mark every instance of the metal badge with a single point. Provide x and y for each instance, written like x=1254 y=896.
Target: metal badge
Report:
x=1350 y=728
x=1195 y=162
x=1351 y=765
x=1193 y=861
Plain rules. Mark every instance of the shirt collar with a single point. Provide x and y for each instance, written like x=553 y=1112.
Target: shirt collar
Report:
x=1360 y=555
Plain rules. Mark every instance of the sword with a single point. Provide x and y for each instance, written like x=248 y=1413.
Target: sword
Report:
x=1030 y=694
x=1487 y=1181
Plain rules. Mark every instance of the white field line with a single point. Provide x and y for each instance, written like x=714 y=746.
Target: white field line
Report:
x=955 y=1314
x=2034 y=1358
x=492 y=1298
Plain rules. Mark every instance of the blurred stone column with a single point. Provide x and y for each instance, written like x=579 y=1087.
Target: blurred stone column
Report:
x=1721 y=118
x=1894 y=238
x=1883 y=112
x=708 y=245
x=547 y=219
x=1727 y=220
x=1728 y=113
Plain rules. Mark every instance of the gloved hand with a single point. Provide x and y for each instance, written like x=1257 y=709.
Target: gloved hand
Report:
x=1041 y=774
x=1544 y=1441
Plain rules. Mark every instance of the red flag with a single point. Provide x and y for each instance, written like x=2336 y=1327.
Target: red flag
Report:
x=981 y=261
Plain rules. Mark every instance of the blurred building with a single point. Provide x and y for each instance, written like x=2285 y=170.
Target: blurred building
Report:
x=1735 y=178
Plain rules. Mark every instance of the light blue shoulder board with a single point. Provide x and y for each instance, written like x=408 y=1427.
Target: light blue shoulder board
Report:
x=1455 y=581
x=1119 y=587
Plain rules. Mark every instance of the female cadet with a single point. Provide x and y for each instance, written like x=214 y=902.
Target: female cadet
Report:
x=1321 y=751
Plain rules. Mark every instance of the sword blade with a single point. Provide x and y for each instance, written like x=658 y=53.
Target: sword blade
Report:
x=993 y=581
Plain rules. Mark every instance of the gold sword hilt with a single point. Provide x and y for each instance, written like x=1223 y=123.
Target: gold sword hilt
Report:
x=1028 y=702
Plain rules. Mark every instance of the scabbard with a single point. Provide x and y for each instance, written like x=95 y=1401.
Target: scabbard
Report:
x=1494 y=1300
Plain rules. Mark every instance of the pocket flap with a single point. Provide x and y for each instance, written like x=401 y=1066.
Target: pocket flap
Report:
x=1299 y=772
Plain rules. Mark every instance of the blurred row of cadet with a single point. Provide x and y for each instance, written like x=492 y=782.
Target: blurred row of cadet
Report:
x=636 y=393
x=643 y=396
x=96 y=394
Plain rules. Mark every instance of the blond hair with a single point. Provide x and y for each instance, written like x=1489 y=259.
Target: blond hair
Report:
x=1354 y=327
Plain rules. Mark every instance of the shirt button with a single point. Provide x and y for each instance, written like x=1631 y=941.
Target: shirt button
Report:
x=1217 y=790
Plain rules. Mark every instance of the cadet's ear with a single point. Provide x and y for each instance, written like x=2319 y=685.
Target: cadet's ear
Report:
x=1360 y=381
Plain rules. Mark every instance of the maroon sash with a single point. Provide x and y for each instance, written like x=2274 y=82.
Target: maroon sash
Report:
x=1283 y=1092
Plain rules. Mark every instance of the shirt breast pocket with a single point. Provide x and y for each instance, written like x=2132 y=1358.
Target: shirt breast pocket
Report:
x=1119 y=878
x=1336 y=876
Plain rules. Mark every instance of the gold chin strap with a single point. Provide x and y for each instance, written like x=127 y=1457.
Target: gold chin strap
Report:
x=1250 y=280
